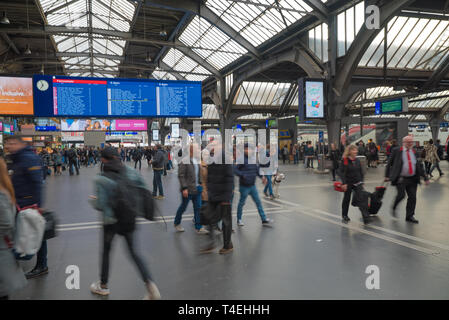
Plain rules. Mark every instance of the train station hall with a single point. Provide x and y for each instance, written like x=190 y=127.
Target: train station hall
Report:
x=224 y=153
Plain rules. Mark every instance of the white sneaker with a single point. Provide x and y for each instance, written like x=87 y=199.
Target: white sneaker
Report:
x=153 y=292
x=97 y=289
x=179 y=228
x=202 y=231
x=240 y=223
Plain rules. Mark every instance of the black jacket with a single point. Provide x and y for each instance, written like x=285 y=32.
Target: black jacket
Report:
x=26 y=177
x=247 y=172
x=220 y=182
x=350 y=171
x=335 y=157
x=394 y=168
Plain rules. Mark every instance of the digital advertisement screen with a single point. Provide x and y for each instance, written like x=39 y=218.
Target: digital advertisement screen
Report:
x=7 y=128
x=1 y=126
x=16 y=96
x=314 y=99
x=128 y=125
x=155 y=135
x=87 y=125
x=104 y=97
x=174 y=130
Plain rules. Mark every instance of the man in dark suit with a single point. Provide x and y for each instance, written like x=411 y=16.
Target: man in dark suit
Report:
x=405 y=172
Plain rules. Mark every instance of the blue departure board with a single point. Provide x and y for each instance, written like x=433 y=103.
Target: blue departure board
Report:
x=103 y=97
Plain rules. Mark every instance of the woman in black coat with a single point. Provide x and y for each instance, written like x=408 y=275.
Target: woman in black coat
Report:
x=351 y=175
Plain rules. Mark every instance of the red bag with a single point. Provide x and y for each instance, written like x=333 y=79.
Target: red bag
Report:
x=337 y=186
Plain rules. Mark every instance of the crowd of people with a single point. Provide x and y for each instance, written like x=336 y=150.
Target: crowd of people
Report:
x=405 y=168
x=210 y=188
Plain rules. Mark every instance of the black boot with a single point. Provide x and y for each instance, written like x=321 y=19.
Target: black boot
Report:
x=36 y=272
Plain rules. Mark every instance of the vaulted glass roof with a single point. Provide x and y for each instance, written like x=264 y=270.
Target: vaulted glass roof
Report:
x=114 y=15
x=261 y=93
x=211 y=43
x=178 y=61
x=259 y=20
x=412 y=43
x=210 y=112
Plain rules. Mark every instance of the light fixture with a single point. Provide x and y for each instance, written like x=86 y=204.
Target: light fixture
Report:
x=148 y=58
x=163 y=32
x=4 y=19
x=42 y=70
x=27 y=50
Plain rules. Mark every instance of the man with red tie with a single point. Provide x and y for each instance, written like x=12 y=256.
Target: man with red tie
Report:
x=404 y=171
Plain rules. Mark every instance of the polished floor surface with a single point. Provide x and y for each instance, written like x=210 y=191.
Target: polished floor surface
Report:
x=307 y=254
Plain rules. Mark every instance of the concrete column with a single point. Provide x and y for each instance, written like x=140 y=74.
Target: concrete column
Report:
x=333 y=132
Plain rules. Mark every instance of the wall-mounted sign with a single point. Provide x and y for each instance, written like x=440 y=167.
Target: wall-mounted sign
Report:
x=391 y=106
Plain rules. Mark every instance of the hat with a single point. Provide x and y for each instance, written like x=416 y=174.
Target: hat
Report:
x=109 y=153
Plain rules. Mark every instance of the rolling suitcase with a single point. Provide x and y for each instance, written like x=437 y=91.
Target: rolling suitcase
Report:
x=375 y=199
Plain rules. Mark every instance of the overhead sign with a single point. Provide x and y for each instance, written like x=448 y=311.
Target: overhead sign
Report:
x=391 y=106
x=126 y=125
x=16 y=96
x=87 y=125
x=105 y=97
x=46 y=128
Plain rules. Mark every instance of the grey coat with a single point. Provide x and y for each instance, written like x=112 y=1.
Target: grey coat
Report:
x=12 y=277
x=186 y=175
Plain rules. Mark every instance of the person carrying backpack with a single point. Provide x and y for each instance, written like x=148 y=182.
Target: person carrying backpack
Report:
x=72 y=156
x=118 y=200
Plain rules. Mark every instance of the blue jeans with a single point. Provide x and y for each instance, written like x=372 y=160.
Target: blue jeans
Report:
x=269 y=186
x=196 y=201
x=157 y=182
x=252 y=191
x=41 y=261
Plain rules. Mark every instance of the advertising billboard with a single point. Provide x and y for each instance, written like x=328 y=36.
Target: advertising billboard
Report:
x=130 y=125
x=7 y=128
x=155 y=135
x=87 y=125
x=16 y=96
x=314 y=92
x=106 y=97
x=174 y=130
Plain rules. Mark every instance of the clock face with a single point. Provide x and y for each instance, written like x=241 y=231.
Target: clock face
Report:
x=42 y=85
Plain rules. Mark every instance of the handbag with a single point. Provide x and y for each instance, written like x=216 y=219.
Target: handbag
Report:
x=50 y=225
x=210 y=213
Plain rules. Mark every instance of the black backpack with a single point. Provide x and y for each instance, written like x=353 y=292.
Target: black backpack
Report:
x=123 y=203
